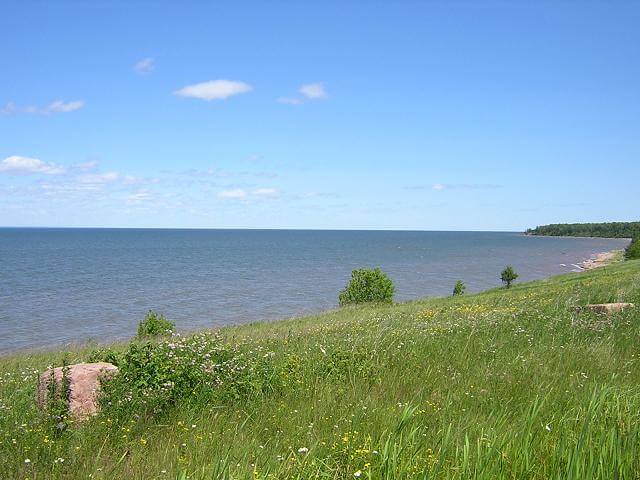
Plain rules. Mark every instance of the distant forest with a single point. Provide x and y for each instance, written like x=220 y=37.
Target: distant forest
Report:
x=608 y=230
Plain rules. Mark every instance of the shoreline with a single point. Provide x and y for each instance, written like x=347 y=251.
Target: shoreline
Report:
x=597 y=260
x=600 y=260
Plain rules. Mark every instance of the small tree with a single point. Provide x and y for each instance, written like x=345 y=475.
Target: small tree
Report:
x=367 y=285
x=459 y=288
x=508 y=275
x=155 y=324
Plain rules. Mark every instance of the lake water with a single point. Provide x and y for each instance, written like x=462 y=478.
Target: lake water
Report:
x=70 y=285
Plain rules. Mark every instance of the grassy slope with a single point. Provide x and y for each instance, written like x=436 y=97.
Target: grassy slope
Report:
x=504 y=384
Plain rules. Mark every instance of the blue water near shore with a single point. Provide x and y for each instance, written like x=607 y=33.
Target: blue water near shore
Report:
x=71 y=285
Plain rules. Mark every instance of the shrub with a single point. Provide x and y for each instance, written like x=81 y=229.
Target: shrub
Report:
x=155 y=324
x=508 y=275
x=633 y=250
x=153 y=377
x=459 y=288
x=104 y=355
x=367 y=285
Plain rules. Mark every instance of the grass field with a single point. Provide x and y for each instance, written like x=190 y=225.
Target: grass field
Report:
x=504 y=384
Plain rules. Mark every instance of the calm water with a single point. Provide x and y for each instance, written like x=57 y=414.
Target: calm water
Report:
x=70 y=285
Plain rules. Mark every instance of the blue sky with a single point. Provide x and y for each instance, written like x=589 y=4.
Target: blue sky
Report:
x=385 y=115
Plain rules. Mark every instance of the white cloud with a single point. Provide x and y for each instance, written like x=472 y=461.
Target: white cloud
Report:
x=9 y=108
x=234 y=193
x=18 y=165
x=439 y=186
x=144 y=66
x=63 y=107
x=313 y=91
x=266 y=192
x=214 y=90
x=57 y=106
x=139 y=197
x=309 y=91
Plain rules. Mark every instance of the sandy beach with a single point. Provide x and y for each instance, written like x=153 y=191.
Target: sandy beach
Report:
x=600 y=260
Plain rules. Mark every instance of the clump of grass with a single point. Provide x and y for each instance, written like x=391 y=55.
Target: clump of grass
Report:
x=155 y=324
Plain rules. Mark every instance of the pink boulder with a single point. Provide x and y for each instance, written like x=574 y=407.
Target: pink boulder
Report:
x=84 y=385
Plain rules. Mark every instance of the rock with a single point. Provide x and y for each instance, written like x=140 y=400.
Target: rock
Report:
x=608 y=308
x=84 y=386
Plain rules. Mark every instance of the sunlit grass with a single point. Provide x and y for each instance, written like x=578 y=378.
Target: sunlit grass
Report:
x=505 y=384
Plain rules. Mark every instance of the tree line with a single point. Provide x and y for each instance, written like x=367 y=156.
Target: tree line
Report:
x=608 y=230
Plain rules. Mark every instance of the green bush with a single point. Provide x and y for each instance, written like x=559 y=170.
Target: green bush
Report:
x=104 y=355
x=459 y=288
x=367 y=285
x=508 y=275
x=179 y=371
x=155 y=324
x=633 y=250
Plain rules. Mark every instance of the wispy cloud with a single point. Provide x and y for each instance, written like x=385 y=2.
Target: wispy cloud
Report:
x=57 y=106
x=139 y=197
x=98 y=178
x=144 y=66
x=233 y=193
x=220 y=173
x=214 y=90
x=313 y=91
x=266 y=192
x=133 y=180
x=309 y=91
x=240 y=193
x=19 y=165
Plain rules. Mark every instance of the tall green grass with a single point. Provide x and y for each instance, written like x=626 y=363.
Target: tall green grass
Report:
x=508 y=384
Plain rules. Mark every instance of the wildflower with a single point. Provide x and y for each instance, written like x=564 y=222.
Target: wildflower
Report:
x=357 y=474
x=303 y=450
x=548 y=427
x=27 y=461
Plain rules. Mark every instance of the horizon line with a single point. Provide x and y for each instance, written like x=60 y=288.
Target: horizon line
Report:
x=14 y=227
